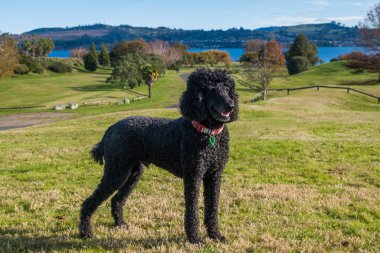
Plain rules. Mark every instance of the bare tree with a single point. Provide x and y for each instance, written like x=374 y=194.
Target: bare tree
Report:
x=254 y=45
x=78 y=53
x=8 y=55
x=370 y=30
x=158 y=47
x=170 y=55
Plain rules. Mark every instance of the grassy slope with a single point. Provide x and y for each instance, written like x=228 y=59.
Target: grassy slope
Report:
x=304 y=175
x=52 y=89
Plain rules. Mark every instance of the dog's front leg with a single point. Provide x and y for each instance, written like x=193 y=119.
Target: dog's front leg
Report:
x=192 y=185
x=211 y=186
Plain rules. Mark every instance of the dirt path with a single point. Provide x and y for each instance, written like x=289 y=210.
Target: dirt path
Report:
x=30 y=119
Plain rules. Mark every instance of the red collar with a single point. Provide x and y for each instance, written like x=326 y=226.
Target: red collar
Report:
x=202 y=129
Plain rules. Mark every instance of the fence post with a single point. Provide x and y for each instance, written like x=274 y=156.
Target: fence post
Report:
x=288 y=91
x=317 y=88
x=348 y=90
x=378 y=100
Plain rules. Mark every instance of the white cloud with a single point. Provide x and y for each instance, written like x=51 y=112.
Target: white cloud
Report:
x=297 y=20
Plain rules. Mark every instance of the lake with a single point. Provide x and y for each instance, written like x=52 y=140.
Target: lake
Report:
x=324 y=53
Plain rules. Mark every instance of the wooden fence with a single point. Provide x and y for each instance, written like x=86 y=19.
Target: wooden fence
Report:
x=318 y=87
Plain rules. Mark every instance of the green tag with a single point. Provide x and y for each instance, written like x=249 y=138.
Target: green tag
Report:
x=212 y=140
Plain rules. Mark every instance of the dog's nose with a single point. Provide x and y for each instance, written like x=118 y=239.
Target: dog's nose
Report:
x=230 y=107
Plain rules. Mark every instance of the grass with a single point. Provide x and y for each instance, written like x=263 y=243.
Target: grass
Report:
x=303 y=176
x=51 y=89
x=79 y=87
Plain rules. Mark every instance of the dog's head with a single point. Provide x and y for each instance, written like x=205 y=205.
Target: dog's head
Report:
x=210 y=96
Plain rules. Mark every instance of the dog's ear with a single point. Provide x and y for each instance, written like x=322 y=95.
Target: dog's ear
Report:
x=235 y=113
x=193 y=105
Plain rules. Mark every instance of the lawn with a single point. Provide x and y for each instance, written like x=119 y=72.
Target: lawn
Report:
x=303 y=176
x=82 y=87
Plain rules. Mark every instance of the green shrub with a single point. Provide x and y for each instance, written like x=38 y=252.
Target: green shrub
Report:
x=90 y=62
x=174 y=66
x=21 y=69
x=60 y=67
x=33 y=64
x=297 y=65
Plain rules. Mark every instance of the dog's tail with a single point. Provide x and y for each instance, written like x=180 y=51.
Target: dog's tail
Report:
x=97 y=152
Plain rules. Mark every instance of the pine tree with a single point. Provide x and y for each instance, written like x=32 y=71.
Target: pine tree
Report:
x=104 y=57
x=93 y=50
x=303 y=47
x=90 y=62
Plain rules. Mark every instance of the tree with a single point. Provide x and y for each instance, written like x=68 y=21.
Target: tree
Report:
x=128 y=47
x=370 y=38
x=250 y=57
x=104 y=57
x=44 y=47
x=297 y=65
x=78 y=52
x=37 y=47
x=8 y=55
x=263 y=65
x=135 y=69
x=360 y=62
x=369 y=30
x=303 y=47
x=127 y=72
x=93 y=51
x=254 y=46
x=149 y=75
x=90 y=62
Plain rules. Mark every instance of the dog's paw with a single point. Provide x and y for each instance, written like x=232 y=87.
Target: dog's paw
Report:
x=195 y=240
x=121 y=225
x=218 y=237
x=86 y=234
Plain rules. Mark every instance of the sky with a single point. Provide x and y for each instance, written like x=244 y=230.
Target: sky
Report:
x=22 y=15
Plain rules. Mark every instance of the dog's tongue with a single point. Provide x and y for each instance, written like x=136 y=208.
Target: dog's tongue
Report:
x=226 y=114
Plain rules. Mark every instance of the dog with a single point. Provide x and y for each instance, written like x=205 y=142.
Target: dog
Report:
x=194 y=147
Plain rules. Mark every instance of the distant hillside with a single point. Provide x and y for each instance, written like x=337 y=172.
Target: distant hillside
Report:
x=329 y=34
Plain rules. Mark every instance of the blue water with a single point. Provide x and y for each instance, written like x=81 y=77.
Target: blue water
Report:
x=324 y=53
x=60 y=54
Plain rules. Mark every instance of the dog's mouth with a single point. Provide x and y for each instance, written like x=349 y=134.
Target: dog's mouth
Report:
x=220 y=116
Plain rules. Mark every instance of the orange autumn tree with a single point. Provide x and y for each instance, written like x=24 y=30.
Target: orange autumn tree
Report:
x=263 y=68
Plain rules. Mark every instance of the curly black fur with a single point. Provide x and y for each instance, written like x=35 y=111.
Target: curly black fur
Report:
x=173 y=145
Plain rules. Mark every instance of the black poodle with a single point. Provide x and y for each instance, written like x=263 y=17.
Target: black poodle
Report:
x=194 y=147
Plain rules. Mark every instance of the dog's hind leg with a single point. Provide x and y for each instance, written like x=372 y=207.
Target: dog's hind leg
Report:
x=113 y=179
x=118 y=201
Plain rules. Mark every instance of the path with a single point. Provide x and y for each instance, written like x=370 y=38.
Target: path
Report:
x=30 y=119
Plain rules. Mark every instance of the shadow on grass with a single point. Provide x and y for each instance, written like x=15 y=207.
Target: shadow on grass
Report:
x=15 y=240
x=366 y=82
x=100 y=87
x=246 y=89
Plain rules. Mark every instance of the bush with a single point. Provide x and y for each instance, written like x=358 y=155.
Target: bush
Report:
x=250 y=57
x=174 y=66
x=297 y=65
x=21 y=69
x=33 y=64
x=90 y=62
x=60 y=67
x=355 y=55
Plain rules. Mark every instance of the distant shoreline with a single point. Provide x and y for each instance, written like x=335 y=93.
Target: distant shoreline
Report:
x=325 y=53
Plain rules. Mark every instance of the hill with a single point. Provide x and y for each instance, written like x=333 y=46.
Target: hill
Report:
x=328 y=34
